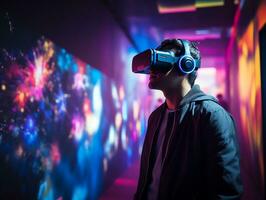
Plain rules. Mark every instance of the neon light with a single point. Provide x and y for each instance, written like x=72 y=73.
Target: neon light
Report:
x=125 y=182
x=171 y=9
x=192 y=36
x=166 y=9
x=206 y=4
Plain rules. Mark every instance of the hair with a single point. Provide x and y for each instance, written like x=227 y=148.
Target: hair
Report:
x=180 y=50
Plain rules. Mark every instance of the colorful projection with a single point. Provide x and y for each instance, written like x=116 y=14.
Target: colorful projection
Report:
x=245 y=78
x=249 y=87
x=65 y=127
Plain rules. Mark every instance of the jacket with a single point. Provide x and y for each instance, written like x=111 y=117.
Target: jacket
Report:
x=202 y=155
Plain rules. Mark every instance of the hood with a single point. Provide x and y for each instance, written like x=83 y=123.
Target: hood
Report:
x=194 y=95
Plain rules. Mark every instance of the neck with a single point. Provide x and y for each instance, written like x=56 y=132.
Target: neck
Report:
x=175 y=95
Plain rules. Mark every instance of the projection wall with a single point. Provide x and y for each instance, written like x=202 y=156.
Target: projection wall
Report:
x=66 y=129
x=245 y=93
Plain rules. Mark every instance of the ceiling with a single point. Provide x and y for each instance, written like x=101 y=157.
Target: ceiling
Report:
x=208 y=22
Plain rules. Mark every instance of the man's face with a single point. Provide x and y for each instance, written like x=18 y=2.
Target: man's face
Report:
x=164 y=80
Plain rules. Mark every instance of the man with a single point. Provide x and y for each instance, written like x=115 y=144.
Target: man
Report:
x=190 y=149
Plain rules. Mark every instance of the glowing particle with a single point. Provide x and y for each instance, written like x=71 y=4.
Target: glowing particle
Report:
x=86 y=106
x=105 y=165
x=22 y=110
x=3 y=87
x=124 y=138
x=19 y=151
x=121 y=93
x=55 y=154
x=77 y=127
x=124 y=110
x=11 y=27
x=92 y=123
x=136 y=109
x=81 y=81
x=115 y=96
x=138 y=126
x=118 y=121
x=80 y=192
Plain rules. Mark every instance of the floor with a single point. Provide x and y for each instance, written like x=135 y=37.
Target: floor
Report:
x=124 y=186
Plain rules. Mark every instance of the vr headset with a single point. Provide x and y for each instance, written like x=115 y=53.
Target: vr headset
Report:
x=163 y=61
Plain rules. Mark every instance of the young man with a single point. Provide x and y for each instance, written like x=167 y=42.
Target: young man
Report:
x=190 y=150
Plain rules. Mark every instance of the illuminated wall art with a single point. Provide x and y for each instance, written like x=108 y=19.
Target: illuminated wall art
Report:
x=245 y=95
x=64 y=125
x=249 y=88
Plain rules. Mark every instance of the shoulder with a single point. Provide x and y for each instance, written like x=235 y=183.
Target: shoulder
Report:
x=157 y=112
x=212 y=108
x=215 y=115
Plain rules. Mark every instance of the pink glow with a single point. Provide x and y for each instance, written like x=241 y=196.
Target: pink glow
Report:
x=125 y=182
x=193 y=36
x=77 y=127
x=233 y=33
x=55 y=154
x=34 y=78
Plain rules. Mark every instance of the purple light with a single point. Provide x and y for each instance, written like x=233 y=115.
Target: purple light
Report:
x=193 y=36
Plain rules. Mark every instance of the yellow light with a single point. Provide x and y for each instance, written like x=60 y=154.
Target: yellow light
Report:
x=206 y=4
x=175 y=9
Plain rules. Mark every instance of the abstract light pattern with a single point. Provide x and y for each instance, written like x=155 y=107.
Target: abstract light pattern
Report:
x=67 y=124
x=249 y=85
x=245 y=78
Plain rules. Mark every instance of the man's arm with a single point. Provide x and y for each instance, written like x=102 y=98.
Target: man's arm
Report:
x=228 y=181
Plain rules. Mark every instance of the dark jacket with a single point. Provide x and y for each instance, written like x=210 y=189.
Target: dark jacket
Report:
x=202 y=158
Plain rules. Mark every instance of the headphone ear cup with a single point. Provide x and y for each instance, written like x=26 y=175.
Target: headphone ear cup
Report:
x=186 y=64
